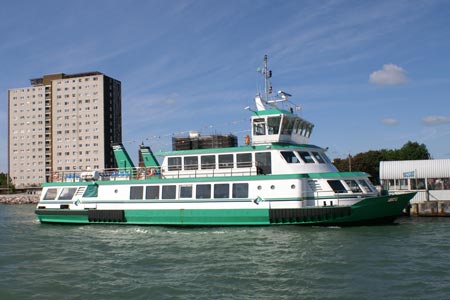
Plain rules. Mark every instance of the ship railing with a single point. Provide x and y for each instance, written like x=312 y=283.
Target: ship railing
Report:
x=143 y=173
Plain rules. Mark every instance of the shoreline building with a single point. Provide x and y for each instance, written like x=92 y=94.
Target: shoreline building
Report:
x=62 y=123
x=429 y=178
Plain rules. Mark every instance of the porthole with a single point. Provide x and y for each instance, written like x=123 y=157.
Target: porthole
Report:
x=259 y=187
x=293 y=186
x=116 y=191
x=272 y=187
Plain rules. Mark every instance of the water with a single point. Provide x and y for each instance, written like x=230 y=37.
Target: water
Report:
x=40 y=261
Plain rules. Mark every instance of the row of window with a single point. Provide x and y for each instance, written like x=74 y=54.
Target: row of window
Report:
x=169 y=192
x=417 y=184
x=295 y=157
x=222 y=161
x=198 y=191
x=355 y=186
x=274 y=125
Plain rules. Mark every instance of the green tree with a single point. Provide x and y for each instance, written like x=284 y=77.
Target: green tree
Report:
x=369 y=162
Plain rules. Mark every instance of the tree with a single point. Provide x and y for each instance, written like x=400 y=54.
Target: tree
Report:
x=369 y=162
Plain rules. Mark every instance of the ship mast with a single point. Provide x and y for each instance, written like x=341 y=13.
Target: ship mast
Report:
x=267 y=75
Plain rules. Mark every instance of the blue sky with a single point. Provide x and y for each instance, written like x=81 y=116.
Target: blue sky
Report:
x=369 y=74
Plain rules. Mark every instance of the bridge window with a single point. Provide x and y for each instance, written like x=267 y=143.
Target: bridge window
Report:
x=306 y=157
x=169 y=191
x=273 y=124
x=259 y=126
x=290 y=157
x=174 y=163
x=191 y=163
x=208 y=162
x=288 y=125
x=136 y=192
x=152 y=192
x=226 y=161
x=222 y=190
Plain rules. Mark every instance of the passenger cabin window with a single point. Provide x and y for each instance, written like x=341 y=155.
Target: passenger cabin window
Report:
x=152 y=192
x=365 y=186
x=259 y=126
x=67 y=194
x=208 y=162
x=306 y=157
x=273 y=124
x=174 y=163
x=244 y=160
x=354 y=187
x=186 y=191
x=191 y=163
x=203 y=191
x=222 y=190
x=290 y=157
x=226 y=161
x=318 y=157
x=169 y=192
x=337 y=186
x=51 y=194
x=240 y=190
x=263 y=163
x=136 y=192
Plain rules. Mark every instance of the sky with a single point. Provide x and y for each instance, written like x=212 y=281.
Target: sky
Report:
x=370 y=75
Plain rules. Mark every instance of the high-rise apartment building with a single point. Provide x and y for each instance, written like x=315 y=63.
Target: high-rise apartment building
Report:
x=62 y=123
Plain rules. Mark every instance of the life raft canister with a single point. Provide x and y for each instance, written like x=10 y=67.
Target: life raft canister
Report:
x=151 y=171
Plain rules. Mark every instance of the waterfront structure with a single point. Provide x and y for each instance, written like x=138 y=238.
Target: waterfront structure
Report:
x=61 y=123
x=276 y=178
x=429 y=178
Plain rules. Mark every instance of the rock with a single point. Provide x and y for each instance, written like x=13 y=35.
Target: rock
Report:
x=19 y=199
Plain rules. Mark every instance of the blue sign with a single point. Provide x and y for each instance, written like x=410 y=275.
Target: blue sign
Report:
x=408 y=174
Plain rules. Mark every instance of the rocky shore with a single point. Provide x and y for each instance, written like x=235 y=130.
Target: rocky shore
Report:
x=19 y=199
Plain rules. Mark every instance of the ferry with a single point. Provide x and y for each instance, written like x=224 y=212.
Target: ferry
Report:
x=276 y=178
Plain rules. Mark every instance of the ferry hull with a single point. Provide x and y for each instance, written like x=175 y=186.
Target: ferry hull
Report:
x=382 y=209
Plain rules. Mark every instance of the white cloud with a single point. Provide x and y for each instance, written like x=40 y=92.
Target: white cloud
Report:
x=390 y=121
x=436 y=120
x=390 y=74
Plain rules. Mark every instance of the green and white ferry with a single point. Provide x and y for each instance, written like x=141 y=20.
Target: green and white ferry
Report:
x=276 y=178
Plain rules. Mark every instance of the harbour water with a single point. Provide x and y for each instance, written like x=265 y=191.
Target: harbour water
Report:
x=410 y=260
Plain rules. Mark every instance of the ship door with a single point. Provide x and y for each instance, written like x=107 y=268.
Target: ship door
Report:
x=263 y=163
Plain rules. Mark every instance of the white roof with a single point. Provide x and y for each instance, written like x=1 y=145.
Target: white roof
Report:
x=432 y=168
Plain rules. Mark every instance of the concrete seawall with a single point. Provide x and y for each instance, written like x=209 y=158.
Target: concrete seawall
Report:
x=431 y=209
x=19 y=199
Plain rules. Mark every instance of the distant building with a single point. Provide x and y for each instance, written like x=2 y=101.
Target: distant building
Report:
x=62 y=123
x=429 y=178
